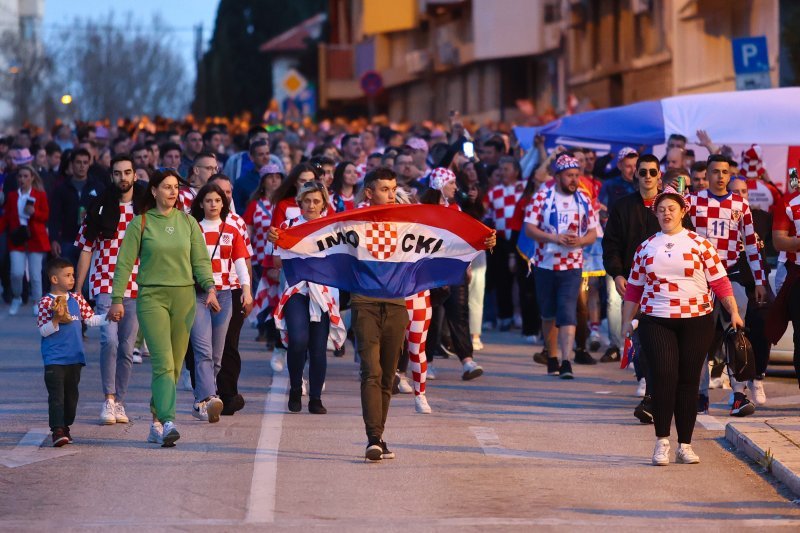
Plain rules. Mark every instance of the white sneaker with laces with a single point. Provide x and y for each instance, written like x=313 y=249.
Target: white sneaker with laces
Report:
x=170 y=435
x=642 y=388
x=686 y=455
x=108 y=413
x=137 y=356
x=759 y=394
x=430 y=373
x=119 y=413
x=278 y=360
x=156 y=433
x=421 y=404
x=472 y=370
x=404 y=386
x=186 y=380
x=16 y=303
x=200 y=411
x=661 y=453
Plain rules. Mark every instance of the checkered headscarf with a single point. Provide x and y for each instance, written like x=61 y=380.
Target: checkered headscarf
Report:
x=566 y=162
x=752 y=162
x=440 y=177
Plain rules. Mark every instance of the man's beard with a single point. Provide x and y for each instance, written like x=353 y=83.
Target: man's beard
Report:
x=124 y=186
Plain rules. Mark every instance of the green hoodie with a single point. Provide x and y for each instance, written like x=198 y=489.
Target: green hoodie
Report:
x=172 y=249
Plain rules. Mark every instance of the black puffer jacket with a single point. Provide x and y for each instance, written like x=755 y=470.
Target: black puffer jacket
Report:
x=102 y=216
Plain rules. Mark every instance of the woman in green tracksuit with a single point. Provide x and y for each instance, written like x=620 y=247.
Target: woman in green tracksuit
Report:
x=172 y=255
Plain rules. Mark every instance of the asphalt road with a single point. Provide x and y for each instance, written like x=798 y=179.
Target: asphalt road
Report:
x=512 y=450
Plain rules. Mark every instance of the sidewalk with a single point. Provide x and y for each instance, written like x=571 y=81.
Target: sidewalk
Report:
x=773 y=443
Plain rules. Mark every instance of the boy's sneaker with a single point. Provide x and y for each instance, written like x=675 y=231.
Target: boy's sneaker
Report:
x=661 y=453
x=374 y=452
x=686 y=455
x=421 y=404
x=119 y=413
x=16 y=303
x=214 y=408
x=565 y=372
x=541 y=357
x=552 y=366
x=702 y=404
x=404 y=387
x=278 y=360
x=200 y=411
x=582 y=357
x=641 y=390
x=60 y=438
x=742 y=406
x=611 y=355
x=386 y=453
x=137 y=356
x=471 y=371
x=431 y=372
x=156 y=433
x=757 y=388
x=108 y=413
x=170 y=435
x=644 y=411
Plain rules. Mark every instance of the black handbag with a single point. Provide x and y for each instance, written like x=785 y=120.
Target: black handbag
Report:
x=20 y=235
x=739 y=355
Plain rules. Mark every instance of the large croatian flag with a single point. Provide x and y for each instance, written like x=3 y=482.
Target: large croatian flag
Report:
x=390 y=251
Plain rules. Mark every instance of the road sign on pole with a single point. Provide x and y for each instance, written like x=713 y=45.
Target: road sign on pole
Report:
x=751 y=63
x=293 y=82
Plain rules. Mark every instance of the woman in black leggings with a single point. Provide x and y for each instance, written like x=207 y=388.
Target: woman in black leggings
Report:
x=670 y=285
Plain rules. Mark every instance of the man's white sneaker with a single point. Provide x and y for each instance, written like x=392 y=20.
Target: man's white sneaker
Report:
x=186 y=380
x=421 y=405
x=213 y=409
x=641 y=390
x=108 y=413
x=686 y=455
x=477 y=345
x=137 y=356
x=404 y=386
x=200 y=411
x=278 y=360
x=757 y=388
x=431 y=372
x=170 y=435
x=119 y=413
x=471 y=371
x=661 y=453
x=16 y=303
x=156 y=433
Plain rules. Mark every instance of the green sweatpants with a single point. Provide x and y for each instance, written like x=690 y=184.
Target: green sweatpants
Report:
x=165 y=316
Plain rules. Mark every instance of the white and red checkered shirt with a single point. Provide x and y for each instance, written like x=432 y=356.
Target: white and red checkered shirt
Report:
x=105 y=255
x=553 y=212
x=675 y=271
x=726 y=222
x=259 y=216
x=44 y=312
x=788 y=219
x=186 y=196
x=241 y=227
x=231 y=247
x=502 y=199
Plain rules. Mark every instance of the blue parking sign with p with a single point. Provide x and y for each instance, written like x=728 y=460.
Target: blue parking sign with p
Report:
x=750 y=55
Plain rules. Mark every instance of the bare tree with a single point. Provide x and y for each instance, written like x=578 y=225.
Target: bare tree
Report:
x=113 y=70
x=25 y=75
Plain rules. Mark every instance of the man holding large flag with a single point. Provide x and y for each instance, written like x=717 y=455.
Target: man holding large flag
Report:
x=381 y=256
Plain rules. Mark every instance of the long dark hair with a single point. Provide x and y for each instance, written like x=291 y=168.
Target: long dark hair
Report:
x=288 y=188
x=338 y=177
x=261 y=190
x=149 y=201
x=197 y=205
x=431 y=196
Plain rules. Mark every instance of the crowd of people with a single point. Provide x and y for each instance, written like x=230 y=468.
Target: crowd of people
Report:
x=171 y=236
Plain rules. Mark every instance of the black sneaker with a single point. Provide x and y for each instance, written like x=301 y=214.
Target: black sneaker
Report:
x=374 y=452
x=60 y=438
x=541 y=357
x=644 y=411
x=611 y=355
x=742 y=406
x=565 y=372
x=66 y=431
x=702 y=404
x=552 y=366
x=582 y=357
x=232 y=404
x=315 y=407
x=386 y=452
x=295 y=400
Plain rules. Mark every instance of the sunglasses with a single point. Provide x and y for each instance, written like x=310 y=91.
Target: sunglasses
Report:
x=643 y=172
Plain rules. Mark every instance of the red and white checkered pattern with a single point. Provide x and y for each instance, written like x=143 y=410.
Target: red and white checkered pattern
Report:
x=788 y=219
x=241 y=227
x=321 y=299
x=44 y=312
x=186 y=196
x=231 y=247
x=259 y=216
x=726 y=223
x=675 y=271
x=361 y=171
x=752 y=162
x=105 y=253
x=381 y=239
x=419 y=321
x=502 y=199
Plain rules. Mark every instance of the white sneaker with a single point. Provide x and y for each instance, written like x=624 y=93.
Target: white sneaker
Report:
x=404 y=386
x=533 y=339
x=137 y=356
x=757 y=388
x=472 y=370
x=186 y=380
x=686 y=455
x=431 y=372
x=170 y=435
x=119 y=413
x=477 y=345
x=16 y=303
x=304 y=387
x=213 y=409
x=642 y=388
x=278 y=360
x=108 y=413
x=156 y=435
x=661 y=453
x=421 y=405
x=200 y=411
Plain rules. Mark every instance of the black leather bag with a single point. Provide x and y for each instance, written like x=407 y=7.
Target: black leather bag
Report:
x=20 y=236
x=740 y=357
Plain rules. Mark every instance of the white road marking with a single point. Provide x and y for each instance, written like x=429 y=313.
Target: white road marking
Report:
x=602 y=392
x=261 y=502
x=29 y=450
x=710 y=423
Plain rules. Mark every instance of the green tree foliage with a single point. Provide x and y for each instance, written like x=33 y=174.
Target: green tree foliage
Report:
x=233 y=75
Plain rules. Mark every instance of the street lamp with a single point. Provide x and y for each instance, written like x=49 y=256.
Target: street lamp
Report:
x=66 y=99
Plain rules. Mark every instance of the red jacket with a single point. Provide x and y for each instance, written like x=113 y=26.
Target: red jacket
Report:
x=39 y=241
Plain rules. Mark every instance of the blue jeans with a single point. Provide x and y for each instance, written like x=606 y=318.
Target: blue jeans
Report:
x=557 y=292
x=208 y=342
x=306 y=338
x=116 y=346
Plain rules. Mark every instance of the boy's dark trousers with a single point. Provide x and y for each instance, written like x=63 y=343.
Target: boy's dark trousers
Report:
x=62 y=393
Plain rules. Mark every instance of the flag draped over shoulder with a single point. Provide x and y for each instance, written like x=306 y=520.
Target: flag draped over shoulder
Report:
x=389 y=251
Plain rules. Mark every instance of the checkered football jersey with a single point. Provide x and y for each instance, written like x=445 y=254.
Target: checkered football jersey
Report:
x=788 y=219
x=259 y=216
x=44 y=312
x=553 y=212
x=186 y=196
x=241 y=228
x=726 y=223
x=675 y=271
x=105 y=253
x=231 y=247
x=502 y=200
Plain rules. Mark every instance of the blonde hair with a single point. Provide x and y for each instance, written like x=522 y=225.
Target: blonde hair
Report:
x=311 y=187
x=37 y=183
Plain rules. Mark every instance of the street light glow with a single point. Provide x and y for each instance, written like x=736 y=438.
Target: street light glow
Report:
x=66 y=99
